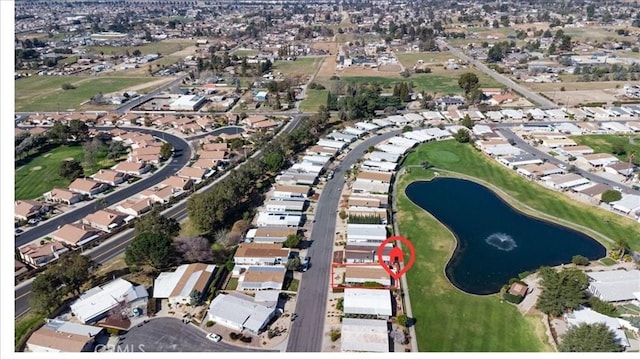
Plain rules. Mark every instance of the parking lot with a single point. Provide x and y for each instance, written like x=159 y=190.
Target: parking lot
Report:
x=171 y=335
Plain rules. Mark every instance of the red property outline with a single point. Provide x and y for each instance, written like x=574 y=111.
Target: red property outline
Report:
x=340 y=286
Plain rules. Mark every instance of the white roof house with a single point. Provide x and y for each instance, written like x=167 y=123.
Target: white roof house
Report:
x=615 y=285
x=367 y=126
x=382 y=156
x=437 y=133
x=267 y=219
x=557 y=114
x=262 y=278
x=239 y=311
x=382 y=165
x=432 y=115
x=307 y=167
x=96 y=302
x=418 y=136
x=362 y=186
x=366 y=234
x=342 y=137
x=615 y=127
x=368 y=301
x=353 y=131
x=279 y=206
x=316 y=159
x=588 y=316
x=402 y=142
x=628 y=204
x=565 y=181
x=364 y=335
x=398 y=120
x=413 y=117
x=513 y=114
x=331 y=144
x=398 y=150
x=381 y=122
x=177 y=286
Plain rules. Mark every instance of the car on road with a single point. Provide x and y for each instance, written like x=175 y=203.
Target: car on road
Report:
x=306 y=263
x=18 y=231
x=214 y=337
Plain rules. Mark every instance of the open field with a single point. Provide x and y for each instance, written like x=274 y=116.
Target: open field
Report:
x=313 y=100
x=245 y=52
x=40 y=174
x=162 y=47
x=551 y=205
x=408 y=59
x=421 y=82
x=605 y=143
x=447 y=320
x=40 y=93
x=304 y=66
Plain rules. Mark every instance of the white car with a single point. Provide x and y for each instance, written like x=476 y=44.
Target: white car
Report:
x=214 y=337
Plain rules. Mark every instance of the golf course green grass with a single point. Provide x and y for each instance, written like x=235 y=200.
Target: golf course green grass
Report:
x=40 y=174
x=448 y=319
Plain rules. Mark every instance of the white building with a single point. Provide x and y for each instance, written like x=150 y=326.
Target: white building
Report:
x=339 y=145
x=366 y=234
x=262 y=278
x=368 y=302
x=279 y=206
x=391 y=148
x=259 y=254
x=187 y=103
x=285 y=219
x=178 y=286
x=381 y=165
x=588 y=316
x=628 y=204
x=364 y=335
x=614 y=285
x=95 y=303
x=379 y=156
x=238 y=311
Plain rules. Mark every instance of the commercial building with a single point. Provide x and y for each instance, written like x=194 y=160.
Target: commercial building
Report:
x=187 y=103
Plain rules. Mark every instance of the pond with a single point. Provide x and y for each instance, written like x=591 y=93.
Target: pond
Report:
x=495 y=242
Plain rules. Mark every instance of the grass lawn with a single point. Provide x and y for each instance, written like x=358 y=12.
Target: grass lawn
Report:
x=49 y=96
x=408 y=59
x=245 y=52
x=608 y=261
x=448 y=320
x=25 y=323
x=313 y=100
x=305 y=66
x=430 y=83
x=464 y=159
x=232 y=285
x=605 y=143
x=294 y=285
x=40 y=174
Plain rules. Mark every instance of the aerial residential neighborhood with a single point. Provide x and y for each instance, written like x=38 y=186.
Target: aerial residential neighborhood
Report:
x=325 y=176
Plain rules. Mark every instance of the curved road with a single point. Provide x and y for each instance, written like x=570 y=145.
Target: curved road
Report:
x=540 y=100
x=307 y=331
x=115 y=245
x=171 y=167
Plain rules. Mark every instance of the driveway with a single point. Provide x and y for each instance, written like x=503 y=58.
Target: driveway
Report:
x=171 y=335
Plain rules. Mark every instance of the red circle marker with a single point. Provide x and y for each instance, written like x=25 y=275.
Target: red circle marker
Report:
x=396 y=256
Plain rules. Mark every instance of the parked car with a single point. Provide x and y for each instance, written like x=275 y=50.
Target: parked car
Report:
x=214 y=337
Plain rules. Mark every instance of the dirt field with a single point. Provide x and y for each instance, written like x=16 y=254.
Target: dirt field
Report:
x=572 y=98
x=390 y=69
x=332 y=47
x=152 y=84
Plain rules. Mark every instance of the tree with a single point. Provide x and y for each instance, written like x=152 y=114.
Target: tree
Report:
x=71 y=169
x=467 y=122
x=292 y=241
x=561 y=291
x=603 y=307
x=580 y=260
x=610 y=195
x=193 y=249
x=73 y=270
x=136 y=53
x=403 y=320
x=293 y=264
x=617 y=148
x=67 y=86
x=274 y=161
x=468 y=81
x=154 y=249
x=195 y=297
x=155 y=222
x=620 y=246
x=78 y=130
x=407 y=128
x=462 y=136
x=47 y=293
x=91 y=149
x=589 y=338
x=166 y=150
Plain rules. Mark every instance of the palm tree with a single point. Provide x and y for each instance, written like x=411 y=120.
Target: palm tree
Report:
x=621 y=246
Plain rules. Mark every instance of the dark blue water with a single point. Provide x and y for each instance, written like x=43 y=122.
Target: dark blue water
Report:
x=495 y=242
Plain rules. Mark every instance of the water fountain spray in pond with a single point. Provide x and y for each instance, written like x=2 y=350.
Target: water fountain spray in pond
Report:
x=502 y=241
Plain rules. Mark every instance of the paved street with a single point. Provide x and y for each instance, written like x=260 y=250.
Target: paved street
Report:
x=532 y=96
x=171 y=335
x=306 y=331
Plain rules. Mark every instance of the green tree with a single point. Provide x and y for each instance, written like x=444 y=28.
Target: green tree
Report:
x=620 y=246
x=561 y=290
x=462 y=136
x=603 y=307
x=610 y=195
x=195 y=297
x=580 y=260
x=165 y=150
x=468 y=81
x=71 y=169
x=78 y=130
x=47 y=294
x=407 y=128
x=292 y=241
x=73 y=270
x=155 y=222
x=274 y=161
x=403 y=320
x=293 y=264
x=467 y=122
x=589 y=338
x=154 y=249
